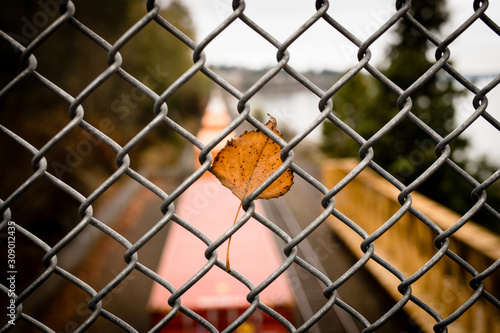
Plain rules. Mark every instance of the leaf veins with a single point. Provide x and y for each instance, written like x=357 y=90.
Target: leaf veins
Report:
x=248 y=160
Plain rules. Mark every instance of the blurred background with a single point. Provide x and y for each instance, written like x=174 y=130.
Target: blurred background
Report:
x=241 y=56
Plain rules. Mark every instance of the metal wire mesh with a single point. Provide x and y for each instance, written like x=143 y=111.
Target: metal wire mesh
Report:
x=161 y=118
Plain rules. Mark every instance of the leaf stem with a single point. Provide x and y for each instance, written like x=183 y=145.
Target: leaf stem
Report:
x=228 y=266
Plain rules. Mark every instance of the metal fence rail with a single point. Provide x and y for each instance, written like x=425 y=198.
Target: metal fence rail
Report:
x=76 y=119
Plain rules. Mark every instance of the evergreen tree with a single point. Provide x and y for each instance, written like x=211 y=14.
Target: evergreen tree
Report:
x=407 y=151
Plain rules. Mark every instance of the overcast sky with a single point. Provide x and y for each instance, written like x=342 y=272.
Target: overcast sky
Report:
x=475 y=52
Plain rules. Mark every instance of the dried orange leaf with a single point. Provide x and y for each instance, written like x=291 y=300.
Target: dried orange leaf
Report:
x=248 y=160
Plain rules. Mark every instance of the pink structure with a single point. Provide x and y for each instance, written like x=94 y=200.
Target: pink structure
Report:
x=219 y=297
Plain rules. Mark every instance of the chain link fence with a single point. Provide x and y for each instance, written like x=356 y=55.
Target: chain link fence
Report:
x=124 y=159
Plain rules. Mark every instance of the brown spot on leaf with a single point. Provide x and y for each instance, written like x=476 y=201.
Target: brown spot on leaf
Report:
x=261 y=159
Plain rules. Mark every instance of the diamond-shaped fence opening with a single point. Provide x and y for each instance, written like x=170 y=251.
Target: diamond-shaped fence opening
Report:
x=111 y=115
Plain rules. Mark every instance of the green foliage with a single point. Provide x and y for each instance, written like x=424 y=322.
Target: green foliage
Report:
x=119 y=110
x=407 y=151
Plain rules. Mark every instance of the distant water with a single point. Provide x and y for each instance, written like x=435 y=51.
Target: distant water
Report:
x=295 y=111
x=483 y=137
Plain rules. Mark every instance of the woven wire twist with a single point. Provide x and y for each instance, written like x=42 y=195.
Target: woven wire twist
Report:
x=324 y=114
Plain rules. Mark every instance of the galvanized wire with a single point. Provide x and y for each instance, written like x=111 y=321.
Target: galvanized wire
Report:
x=161 y=118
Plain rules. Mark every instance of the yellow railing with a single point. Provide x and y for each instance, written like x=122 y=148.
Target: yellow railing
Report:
x=369 y=201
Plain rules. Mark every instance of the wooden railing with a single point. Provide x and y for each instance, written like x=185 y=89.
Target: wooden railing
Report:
x=369 y=201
